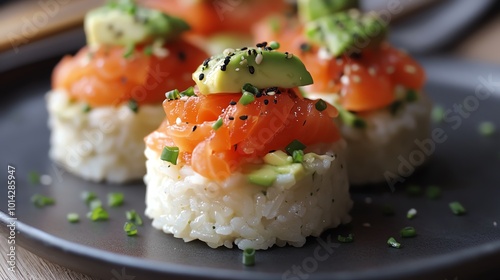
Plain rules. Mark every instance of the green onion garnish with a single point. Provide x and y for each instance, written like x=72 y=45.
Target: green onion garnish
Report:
x=414 y=190
x=433 y=192
x=130 y=228
x=249 y=88
x=170 y=154
x=86 y=108
x=411 y=213
x=486 y=128
x=457 y=208
x=408 y=232
x=34 y=177
x=294 y=146
x=173 y=94
x=351 y=119
x=115 y=199
x=246 y=98
x=133 y=105
x=217 y=124
x=437 y=114
x=88 y=197
x=249 y=256
x=345 y=239
x=41 y=200
x=134 y=217
x=73 y=217
x=395 y=106
x=129 y=50
x=298 y=156
x=393 y=243
x=320 y=105
x=274 y=45
x=411 y=95
x=96 y=203
x=98 y=214
x=387 y=210
x=148 y=50
x=187 y=92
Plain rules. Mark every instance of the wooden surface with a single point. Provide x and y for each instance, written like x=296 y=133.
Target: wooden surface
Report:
x=481 y=46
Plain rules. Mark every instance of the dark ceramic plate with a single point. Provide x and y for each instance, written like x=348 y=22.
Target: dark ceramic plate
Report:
x=466 y=166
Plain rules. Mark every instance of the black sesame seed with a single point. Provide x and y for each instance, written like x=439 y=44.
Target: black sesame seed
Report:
x=244 y=48
x=227 y=60
x=275 y=101
x=206 y=61
x=243 y=117
x=251 y=69
x=261 y=45
x=266 y=101
x=231 y=118
x=258 y=95
x=232 y=102
x=254 y=52
x=223 y=67
x=235 y=146
x=249 y=52
x=272 y=151
x=182 y=56
x=304 y=123
x=201 y=76
x=194 y=128
x=305 y=47
x=268 y=49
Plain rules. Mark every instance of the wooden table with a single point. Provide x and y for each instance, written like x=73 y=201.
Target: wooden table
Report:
x=481 y=46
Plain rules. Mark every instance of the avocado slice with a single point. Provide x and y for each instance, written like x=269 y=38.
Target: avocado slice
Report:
x=264 y=176
x=314 y=9
x=261 y=66
x=123 y=23
x=277 y=158
x=347 y=32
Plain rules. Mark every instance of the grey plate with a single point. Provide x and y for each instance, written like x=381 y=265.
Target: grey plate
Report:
x=466 y=166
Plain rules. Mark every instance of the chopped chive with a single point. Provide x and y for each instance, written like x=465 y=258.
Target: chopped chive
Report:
x=133 y=105
x=217 y=124
x=41 y=200
x=387 y=210
x=345 y=239
x=408 y=232
x=298 y=156
x=351 y=119
x=411 y=95
x=96 y=203
x=411 y=213
x=130 y=228
x=86 y=108
x=187 y=92
x=134 y=217
x=73 y=217
x=393 y=243
x=115 y=199
x=437 y=114
x=294 y=146
x=320 y=105
x=457 y=208
x=250 y=88
x=148 y=50
x=433 y=192
x=246 y=98
x=170 y=154
x=88 y=197
x=98 y=214
x=129 y=50
x=34 y=177
x=249 y=257
x=173 y=94
x=274 y=45
x=486 y=128
x=413 y=190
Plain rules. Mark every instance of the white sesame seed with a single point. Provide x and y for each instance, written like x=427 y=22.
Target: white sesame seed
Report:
x=184 y=98
x=228 y=51
x=243 y=62
x=355 y=67
x=259 y=58
x=390 y=69
x=237 y=69
x=412 y=212
x=356 y=79
x=494 y=224
x=372 y=71
x=344 y=80
x=410 y=69
x=271 y=93
x=324 y=54
x=289 y=55
x=367 y=225
x=368 y=200
x=347 y=69
x=45 y=180
x=178 y=121
x=160 y=52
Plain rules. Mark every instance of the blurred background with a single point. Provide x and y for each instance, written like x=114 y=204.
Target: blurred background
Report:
x=32 y=31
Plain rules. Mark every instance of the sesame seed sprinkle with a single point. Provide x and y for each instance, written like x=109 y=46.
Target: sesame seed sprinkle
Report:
x=251 y=69
x=178 y=121
x=355 y=67
x=201 y=76
x=344 y=80
x=410 y=69
x=243 y=117
x=259 y=58
x=237 y=69
x=356 y=79
x=372 y=71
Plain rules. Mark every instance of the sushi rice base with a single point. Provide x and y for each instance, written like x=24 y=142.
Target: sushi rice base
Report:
x=189 y=206
x=105 y=143
x=376 y=149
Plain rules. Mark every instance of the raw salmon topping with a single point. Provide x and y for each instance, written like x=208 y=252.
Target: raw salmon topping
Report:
x=218 y=133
